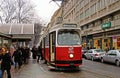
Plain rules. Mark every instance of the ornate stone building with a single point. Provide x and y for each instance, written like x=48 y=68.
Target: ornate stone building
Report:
x=98 y=20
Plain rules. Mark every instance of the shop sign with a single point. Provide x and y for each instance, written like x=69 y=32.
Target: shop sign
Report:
x=106 y=25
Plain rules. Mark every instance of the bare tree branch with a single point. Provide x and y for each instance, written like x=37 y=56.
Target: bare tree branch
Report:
x=17 y=11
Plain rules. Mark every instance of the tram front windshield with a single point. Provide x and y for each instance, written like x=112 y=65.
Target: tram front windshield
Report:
x=68 y=37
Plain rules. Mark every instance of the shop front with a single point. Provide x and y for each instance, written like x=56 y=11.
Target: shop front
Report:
x=107 y=43
x=107 y=40
x=87 y=41
x=97 y=43
x=118 y=42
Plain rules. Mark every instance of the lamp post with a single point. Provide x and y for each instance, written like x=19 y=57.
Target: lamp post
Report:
x=56 y=2
x=62 y=1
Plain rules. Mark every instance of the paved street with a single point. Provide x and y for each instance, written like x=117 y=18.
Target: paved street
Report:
x=32 y=70
x=89 y=69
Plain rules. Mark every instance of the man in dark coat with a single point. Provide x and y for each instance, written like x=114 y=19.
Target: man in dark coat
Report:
x=24 y=56
x=27 y=53
x=34 y=52
x=6 y=62
x=17 y=57
x=40 y=53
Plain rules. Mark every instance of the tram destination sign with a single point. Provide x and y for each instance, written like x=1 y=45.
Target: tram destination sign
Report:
x=70 y=25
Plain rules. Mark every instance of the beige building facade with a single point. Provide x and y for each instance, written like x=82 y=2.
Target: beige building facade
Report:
x=99 y=21
x=57 y=17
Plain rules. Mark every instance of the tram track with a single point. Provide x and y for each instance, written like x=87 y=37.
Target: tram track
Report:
x=93 y=72
x=98 y=72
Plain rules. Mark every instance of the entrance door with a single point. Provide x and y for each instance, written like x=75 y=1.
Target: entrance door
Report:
x=52 y=47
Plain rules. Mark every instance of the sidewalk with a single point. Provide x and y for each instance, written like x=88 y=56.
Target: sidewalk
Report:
x=30 y=70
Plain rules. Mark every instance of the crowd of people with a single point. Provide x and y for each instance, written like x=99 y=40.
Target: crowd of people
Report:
x=19 y=57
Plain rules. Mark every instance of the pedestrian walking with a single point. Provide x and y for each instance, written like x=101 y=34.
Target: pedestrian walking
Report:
x=27 y=51
x=24 y=55
x=17 y=55
x=40 y=56
x=6 y=62
x=34 y=53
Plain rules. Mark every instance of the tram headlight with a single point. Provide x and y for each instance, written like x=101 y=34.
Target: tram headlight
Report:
x=71 y=55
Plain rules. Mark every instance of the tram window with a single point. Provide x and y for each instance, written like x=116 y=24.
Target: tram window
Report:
x=68 y=37
x=47 y=40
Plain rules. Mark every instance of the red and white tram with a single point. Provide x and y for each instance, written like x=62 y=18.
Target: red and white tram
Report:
x=61 y=47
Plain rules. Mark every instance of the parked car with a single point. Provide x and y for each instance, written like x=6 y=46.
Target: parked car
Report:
x=83 y=52
x=112 y=56
x=94 y=54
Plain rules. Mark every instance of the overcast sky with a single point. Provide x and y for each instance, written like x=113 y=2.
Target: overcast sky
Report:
x=45 y=8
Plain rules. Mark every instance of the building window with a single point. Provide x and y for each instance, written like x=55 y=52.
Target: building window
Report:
x=98 y=5
x=87 y=12
x=116 y=17
x=90 y=25
x=96 y=23
x=102 y=3
x=110 y=18
x=86 y=2
x=85 y=27
x=82 y=3
x=81 y=16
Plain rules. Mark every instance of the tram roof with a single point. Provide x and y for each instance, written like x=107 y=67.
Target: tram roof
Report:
x=59 y=26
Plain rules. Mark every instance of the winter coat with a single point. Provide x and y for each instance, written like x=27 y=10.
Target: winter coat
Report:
x=39 y=50
x=6 y=61
x=17 y=56
x=34 y=53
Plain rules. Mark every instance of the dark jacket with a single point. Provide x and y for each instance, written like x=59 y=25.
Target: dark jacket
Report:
x=39 y=50
x=17 y=55
x=6 y=61
x=34 y=52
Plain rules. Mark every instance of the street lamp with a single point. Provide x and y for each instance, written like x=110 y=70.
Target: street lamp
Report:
x=56 y=2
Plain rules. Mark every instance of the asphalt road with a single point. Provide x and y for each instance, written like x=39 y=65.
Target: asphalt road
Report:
x=89 y=69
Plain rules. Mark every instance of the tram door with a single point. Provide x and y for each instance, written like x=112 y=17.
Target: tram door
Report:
x=52 y=46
